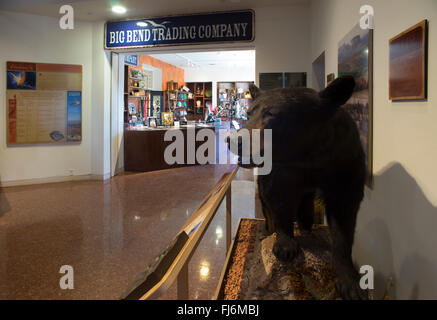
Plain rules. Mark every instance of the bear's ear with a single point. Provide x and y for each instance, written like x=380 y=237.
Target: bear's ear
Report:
x=254 y=91
x=338 y=92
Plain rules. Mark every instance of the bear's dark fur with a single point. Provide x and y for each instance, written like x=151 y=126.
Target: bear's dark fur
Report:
x=315 y=146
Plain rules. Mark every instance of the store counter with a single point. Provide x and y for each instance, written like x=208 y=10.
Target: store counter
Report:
x=144 y=147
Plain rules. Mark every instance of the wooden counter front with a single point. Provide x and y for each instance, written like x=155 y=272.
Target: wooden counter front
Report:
x=144 y=149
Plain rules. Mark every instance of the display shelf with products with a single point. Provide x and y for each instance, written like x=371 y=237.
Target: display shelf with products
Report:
x=233 y=100
x=189 y=101
x=138 y=81
x=137 y=87
x=199 y=98
x=171 y=96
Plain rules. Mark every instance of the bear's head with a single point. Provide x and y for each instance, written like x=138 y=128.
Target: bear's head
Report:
x=297 y=117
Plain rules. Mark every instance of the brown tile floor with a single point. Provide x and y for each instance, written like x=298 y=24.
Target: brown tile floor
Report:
x=109 y=231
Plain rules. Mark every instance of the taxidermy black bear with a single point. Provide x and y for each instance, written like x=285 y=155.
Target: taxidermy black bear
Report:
x=315 y=147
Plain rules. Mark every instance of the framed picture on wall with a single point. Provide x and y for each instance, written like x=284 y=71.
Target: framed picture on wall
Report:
x=329 y=78
x=270 y=81
x=355 y=57
x=408 y=63
x=157 y=101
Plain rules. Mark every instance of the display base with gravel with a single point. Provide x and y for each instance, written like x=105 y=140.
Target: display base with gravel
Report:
x=254 y=273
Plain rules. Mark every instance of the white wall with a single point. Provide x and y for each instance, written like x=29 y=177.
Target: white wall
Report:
x=157 y=77
x=30 y=38
x=231 y=73
x=396 y=226
x=39 y=39
x=101 y=107
x=282 y=39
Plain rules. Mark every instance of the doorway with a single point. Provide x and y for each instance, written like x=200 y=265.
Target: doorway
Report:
x=194 y=86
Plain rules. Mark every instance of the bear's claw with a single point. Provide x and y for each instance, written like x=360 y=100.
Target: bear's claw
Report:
x=285 y=248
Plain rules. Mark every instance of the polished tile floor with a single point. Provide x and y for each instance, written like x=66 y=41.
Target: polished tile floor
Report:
x=108 y=231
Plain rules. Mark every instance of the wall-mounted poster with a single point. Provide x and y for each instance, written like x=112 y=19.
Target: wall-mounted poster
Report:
x=355 y=57
x=74 y=116
x=157 y=100
x=408 y=64
x=156 y=104
x=44 y=103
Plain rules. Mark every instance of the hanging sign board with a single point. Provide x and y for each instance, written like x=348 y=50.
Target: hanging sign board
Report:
x=131 y=60
x=234 y=26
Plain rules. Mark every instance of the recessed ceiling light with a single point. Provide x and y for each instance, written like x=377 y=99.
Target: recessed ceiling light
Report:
x=119 y=9
x=141 y=24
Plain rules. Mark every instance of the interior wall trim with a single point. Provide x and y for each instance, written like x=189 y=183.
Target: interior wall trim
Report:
x=25 y=182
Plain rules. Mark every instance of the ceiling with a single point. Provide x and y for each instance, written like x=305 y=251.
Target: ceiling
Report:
x=100 y=10
x=211 y=60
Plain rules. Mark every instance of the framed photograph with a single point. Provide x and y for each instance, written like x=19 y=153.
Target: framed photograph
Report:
x=329 y=78
x=167 y=119
x=408 y=64
x=355 y=57
x=152 y=122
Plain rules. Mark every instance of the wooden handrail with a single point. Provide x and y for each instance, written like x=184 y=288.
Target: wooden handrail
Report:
x=172 y=263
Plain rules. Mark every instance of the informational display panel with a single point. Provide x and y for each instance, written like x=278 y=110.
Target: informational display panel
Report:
x=44 y=103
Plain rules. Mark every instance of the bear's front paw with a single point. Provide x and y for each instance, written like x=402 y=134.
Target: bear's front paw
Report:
x=285 y=248
x=347 y=283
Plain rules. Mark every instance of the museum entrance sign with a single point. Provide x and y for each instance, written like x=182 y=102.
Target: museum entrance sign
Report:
x=234 y=26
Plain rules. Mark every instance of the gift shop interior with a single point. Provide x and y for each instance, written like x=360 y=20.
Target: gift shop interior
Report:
x=199 y=90
x=181 y=88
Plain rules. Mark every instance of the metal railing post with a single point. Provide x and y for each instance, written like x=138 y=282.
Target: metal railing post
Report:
x=228 y=217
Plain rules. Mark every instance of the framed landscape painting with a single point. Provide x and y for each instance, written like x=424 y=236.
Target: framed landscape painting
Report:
x=355 y=57
x=329 y=78
x=408 y=64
